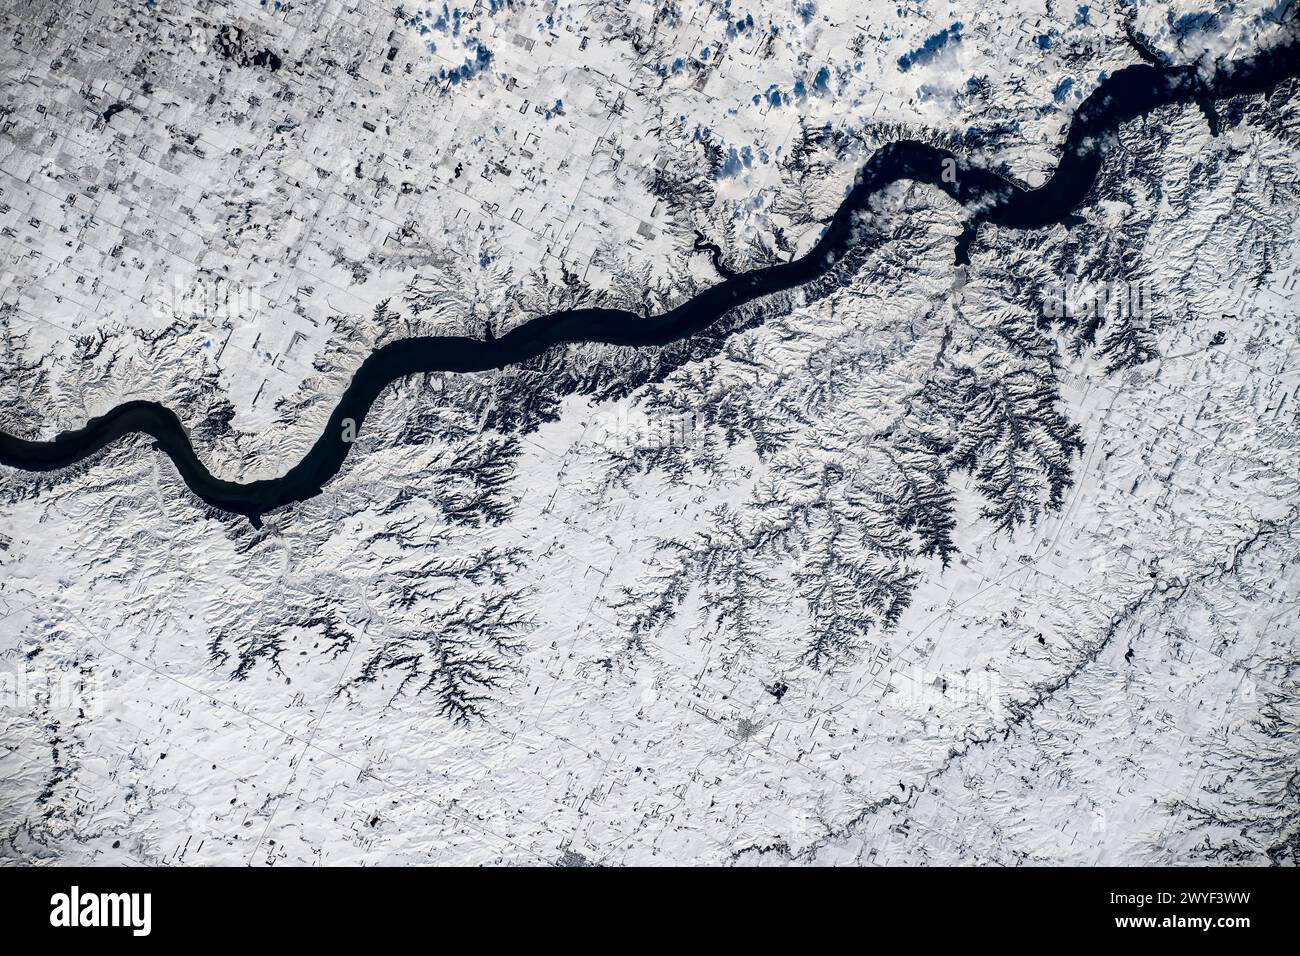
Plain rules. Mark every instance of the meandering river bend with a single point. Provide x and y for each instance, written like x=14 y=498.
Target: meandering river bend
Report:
x=1124 y=95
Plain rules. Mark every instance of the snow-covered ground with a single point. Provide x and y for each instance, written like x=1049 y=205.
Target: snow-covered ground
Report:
x=916 y=569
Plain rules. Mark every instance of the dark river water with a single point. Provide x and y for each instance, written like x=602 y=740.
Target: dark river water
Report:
x=1126 y=94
